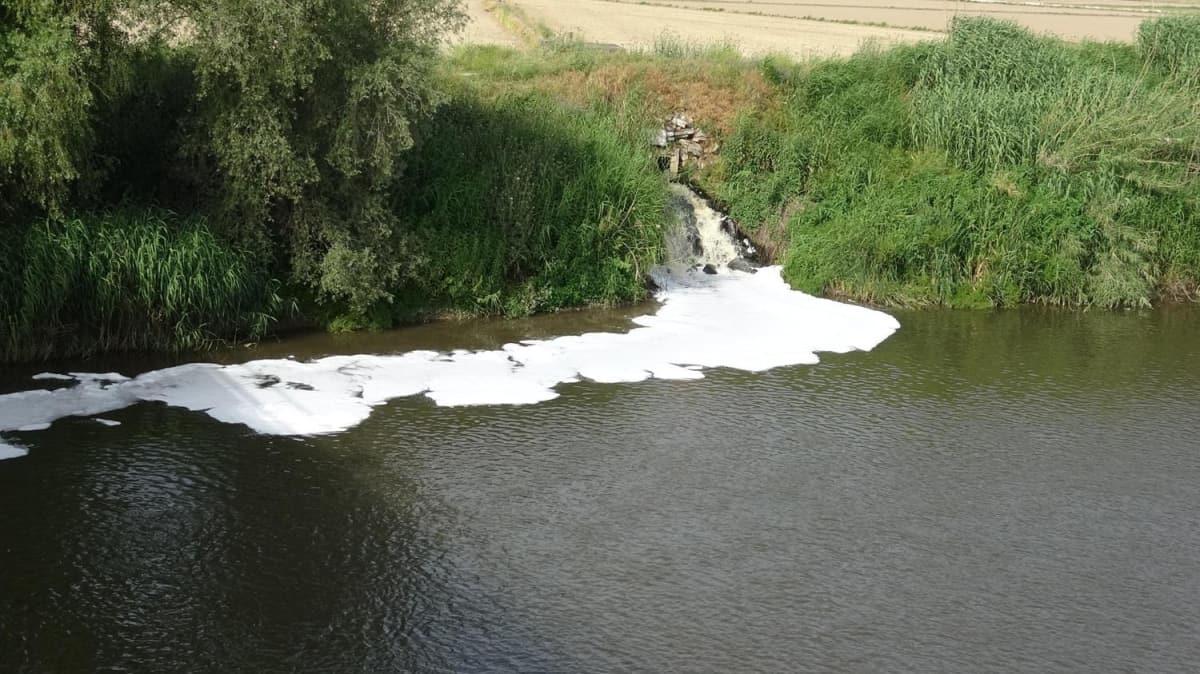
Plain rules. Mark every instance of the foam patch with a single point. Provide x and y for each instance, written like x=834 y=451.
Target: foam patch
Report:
x=10 y=451
x=751 y=322
x=52 y=376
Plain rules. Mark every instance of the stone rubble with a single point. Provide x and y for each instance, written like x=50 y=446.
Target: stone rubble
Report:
x=684 y=144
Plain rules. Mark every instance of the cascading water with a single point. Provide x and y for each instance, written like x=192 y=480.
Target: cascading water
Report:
x=700 y=236
x=711 y=315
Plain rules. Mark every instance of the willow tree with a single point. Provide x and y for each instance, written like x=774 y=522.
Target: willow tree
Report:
x=294 y=117
x=50 y=64
x=306 y=106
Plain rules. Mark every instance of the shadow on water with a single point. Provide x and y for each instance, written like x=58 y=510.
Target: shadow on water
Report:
x=447 y=335
x=177 y=543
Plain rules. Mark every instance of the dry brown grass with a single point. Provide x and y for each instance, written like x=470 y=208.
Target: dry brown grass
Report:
x=713 y=101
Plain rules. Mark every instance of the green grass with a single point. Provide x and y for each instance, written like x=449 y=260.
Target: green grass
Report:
x=128 y=281
x=519 y=205
x=992 y=169
x=1172 y=45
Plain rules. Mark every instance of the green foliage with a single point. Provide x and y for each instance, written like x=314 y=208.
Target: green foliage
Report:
x=291 y=125
x=1172 y=44
x=520 y=205
x=129 y=280
x=855 y=103
x=286 y=118
x=306 y=109
x=991 y=169
x=44 y=102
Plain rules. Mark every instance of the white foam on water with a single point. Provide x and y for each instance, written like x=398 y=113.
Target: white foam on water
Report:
x=750 y=322
x=10 y=451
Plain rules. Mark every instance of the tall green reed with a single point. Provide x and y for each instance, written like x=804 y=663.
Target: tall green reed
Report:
x=130 y=280
x=522 y=205
x=994 y=168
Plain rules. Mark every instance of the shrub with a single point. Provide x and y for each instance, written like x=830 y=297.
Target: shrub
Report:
x=520 y=205
x=44 y=104
x=286 y=117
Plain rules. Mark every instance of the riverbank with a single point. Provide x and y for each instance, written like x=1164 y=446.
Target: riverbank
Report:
x=991 y=168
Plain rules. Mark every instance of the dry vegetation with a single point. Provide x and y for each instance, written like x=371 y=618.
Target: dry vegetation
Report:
x=1070 y=19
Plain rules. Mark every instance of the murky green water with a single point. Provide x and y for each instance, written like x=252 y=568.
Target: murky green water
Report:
x=984 y=491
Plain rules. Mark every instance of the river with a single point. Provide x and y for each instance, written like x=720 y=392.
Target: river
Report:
x=983 y=491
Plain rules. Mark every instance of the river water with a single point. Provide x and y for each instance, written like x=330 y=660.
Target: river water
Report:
x=983 y=491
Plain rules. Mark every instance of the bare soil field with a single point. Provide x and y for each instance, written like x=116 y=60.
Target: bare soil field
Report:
x=806 y=28
x=639 y=25
x=1071 y=19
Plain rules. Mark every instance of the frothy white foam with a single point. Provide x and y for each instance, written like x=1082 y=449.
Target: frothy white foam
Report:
x=53 y=376
x=749 y=322
x=10 y=451
x=695 y=218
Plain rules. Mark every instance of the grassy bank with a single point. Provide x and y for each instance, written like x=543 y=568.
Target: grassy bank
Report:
x=517 y=205
x=994 y=168
x=510 y=206
x=989 y=169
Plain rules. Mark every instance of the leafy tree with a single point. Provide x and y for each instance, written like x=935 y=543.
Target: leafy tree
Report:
x=298 y=117
x=51 y=55
x=306 y=107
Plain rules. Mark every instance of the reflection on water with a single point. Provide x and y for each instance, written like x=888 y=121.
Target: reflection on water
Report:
x=984 y=491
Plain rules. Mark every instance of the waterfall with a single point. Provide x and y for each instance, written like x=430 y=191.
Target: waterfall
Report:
x=700 y=235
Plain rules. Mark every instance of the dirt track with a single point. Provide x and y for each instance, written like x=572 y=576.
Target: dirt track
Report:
x=759 y=26
x=483 y=28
